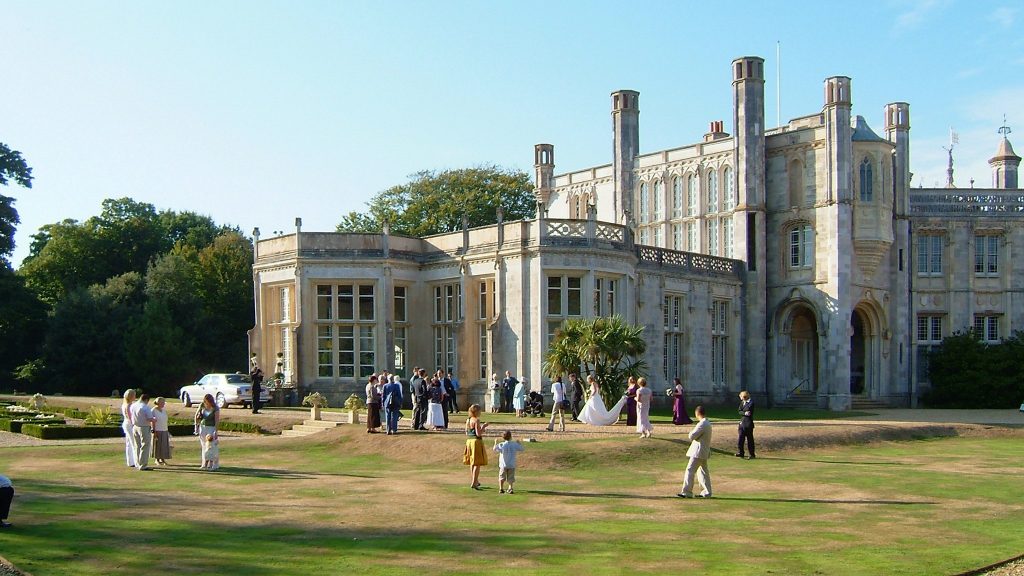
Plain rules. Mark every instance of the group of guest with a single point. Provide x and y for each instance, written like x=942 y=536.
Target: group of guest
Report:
x=433 y=398
x=145 y=431
x=383 y=394
x=147 y=435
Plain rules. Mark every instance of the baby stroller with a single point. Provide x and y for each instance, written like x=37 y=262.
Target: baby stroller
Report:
x=535 y=404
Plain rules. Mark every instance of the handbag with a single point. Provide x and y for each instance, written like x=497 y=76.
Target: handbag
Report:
x=566 y=405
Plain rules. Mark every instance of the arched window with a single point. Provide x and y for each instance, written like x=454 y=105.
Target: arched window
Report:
x=658 y=201
x=712 y=192
x=730 y=189
x=691 y=195
x=801 y=246
x=677 y=198
x=796 y=183
x=645 y=214
x=865 y=180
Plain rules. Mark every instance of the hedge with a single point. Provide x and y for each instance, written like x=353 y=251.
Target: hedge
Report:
x=16 y=425
x=64 y=432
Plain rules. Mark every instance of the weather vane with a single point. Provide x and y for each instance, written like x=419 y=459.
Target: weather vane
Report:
x=1004 y=130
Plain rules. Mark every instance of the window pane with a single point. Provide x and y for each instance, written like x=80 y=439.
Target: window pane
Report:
x=575 y=299
x=400 y=304
x=323 y=302
x=346 y=303
x=555 y=295
x=346 y=351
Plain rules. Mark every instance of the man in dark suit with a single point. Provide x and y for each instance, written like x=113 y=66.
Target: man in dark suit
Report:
x=576 y=389
x=746 y=428
x=421 y=393
x=508 y=386
x=257 y=388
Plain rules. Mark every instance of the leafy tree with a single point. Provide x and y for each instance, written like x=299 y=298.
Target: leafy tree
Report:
x=224 y=285
x=159 y=350
x=22 y=322
x=605 y=347
x=12 y=167
x=84 y=351
x=435 y=202
x=125 y=237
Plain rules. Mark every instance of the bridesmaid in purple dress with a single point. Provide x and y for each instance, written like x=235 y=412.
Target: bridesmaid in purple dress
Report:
x=679 y=415
x=630 y=408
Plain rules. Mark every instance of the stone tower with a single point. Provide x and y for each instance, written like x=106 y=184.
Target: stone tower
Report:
x=1004 y=166
x=749 y=217
x=833 y=238
x=626 y=147
x=544 y=178
x=897 y=131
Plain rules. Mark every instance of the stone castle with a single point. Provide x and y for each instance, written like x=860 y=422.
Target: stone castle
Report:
x=795 y=262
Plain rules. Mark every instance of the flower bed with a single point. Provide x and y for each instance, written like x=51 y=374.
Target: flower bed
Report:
x=16 y=424
x=64 y=432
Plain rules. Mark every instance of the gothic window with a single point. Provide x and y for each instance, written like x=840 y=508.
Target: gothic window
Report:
x=658 y=202
x=677 y=197
x=712 y=230
x=712 y=192
x=801 y=246
x=727 y=237
x=565 y=300
x=865 y=180
x=401 y=329
x=485 y=312
x=604 y=296
x=692 y=241
x=645 y=214
x=929 y=254
x=677 y=236
x=691 y=195
x=730 y=189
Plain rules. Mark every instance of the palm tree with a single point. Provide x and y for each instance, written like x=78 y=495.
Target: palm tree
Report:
x=606 y=348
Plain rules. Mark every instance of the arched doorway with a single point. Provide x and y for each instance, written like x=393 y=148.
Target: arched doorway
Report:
x=858 y=354
x=803 y=347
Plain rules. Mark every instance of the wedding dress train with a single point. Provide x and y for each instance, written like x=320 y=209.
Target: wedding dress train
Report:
x=595 y=414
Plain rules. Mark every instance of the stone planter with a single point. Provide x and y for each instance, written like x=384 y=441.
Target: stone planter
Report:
x=314 y=413
x=353 y=417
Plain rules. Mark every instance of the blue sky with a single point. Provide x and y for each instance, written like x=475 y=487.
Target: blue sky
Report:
x=255 y=112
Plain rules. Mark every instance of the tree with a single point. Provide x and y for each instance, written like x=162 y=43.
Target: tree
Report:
x=434 y=203
x=605 y=347
x=22 y=322
x=12 y=167
x=85 y=351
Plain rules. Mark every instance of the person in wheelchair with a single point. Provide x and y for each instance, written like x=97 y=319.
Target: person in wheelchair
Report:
x=535 y=404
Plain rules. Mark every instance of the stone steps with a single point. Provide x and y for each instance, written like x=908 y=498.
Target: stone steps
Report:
x=310 y=427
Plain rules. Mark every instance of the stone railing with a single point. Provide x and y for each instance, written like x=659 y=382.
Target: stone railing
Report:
x=583 y=233
x=690 y=261
x=945 y=202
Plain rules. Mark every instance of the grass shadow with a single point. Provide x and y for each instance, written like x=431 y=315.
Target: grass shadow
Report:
x=256 y=472
x=827 y=501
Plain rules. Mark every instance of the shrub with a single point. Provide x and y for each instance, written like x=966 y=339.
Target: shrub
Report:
x=99 y=415
x=16 y=425
x=63 y=432
x=968 y=373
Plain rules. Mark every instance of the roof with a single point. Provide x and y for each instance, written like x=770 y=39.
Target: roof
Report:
x=863 y=133
x=1005 y=152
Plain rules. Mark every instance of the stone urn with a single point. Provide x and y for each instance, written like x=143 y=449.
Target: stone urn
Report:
x=353 y=416
x=314 y=412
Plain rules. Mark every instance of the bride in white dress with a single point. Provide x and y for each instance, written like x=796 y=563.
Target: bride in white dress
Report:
x=594 y=412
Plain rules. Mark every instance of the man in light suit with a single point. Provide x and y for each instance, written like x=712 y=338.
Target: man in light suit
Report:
x=699 y=452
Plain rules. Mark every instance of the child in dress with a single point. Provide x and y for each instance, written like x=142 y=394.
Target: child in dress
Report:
x=506 y=450
x=211 y=452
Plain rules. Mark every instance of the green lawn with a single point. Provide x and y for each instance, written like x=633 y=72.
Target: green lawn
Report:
x=349 y=502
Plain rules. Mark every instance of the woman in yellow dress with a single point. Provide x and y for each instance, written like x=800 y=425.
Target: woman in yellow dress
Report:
x=475 y=455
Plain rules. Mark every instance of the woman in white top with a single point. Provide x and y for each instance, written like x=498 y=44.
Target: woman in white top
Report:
x=126 y=426
x=644 y=396
x=161 y=435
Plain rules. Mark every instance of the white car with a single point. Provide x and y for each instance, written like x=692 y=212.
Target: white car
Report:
x=226 y=389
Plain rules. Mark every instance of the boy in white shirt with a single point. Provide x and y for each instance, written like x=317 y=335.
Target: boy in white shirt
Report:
x=506 y=450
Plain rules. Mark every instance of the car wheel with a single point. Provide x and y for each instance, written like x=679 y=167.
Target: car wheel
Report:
x=221 y=401
x=186 y=399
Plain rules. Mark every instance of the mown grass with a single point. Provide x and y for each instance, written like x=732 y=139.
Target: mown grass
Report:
x=597 y=507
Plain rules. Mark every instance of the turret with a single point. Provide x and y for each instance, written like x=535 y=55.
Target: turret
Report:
x=897 y=131
x=626 y=147
x=544 y=166
x=1004 y=164
x=838 y=138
